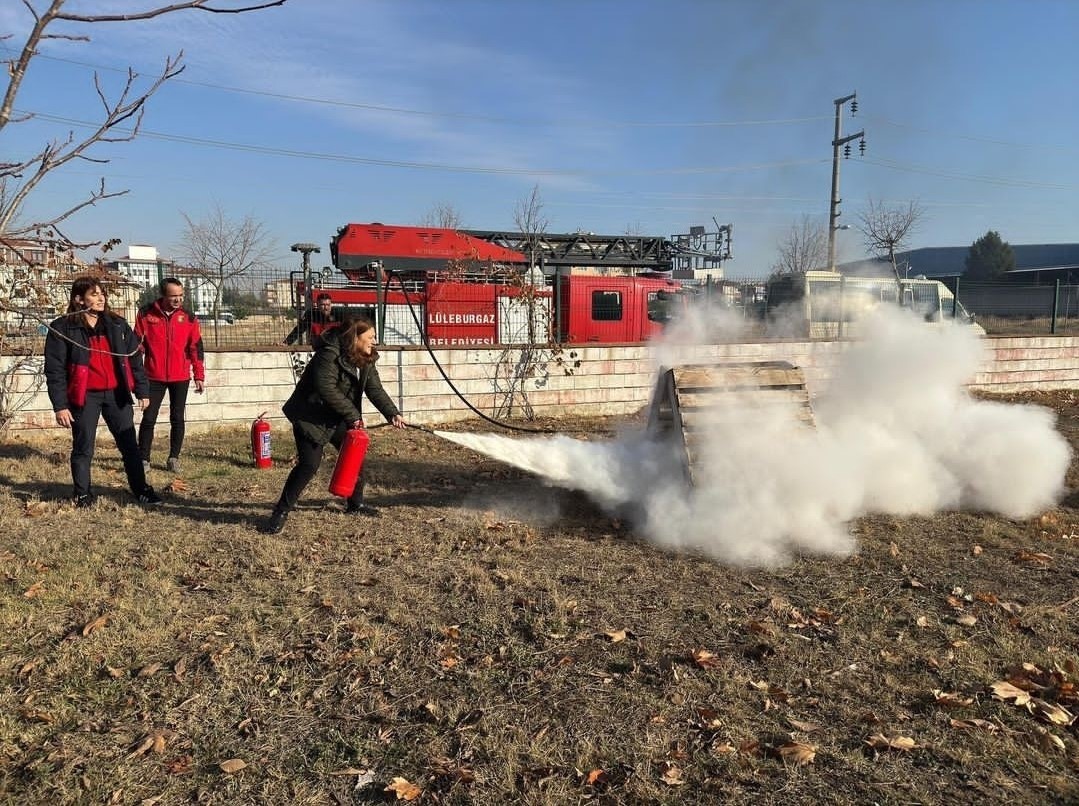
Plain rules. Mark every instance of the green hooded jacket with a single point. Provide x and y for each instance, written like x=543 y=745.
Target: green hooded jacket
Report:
x=331 y=391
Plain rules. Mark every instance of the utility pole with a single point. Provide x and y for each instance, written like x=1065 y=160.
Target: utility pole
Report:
x=837 y=141
x=306 y=249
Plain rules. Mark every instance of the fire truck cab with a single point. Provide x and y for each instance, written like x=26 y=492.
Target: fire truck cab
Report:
x=612 y=309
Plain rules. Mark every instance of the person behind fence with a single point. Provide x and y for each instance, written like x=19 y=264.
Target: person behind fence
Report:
x=173 y=354
x=327 y=402
x=92 y=367
x=315 y=322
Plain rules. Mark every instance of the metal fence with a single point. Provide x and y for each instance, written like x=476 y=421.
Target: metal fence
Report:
x=1011 y=309
x=260 y=310
x=1001 y=308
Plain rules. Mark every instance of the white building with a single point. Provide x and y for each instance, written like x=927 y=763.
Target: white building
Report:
x=146 y=268
x=143 y=266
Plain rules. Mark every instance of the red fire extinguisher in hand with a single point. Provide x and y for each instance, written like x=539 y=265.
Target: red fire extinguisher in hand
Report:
x=261 y=454
x=346 y=473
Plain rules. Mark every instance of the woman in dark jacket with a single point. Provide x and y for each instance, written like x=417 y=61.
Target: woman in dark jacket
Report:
x=326 y=403
x=92 y=367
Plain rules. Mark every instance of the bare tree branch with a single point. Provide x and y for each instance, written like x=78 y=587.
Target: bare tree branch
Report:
x=21 y=177
x=193 y=5
x=443 y=215
x=219 y=250
x=886 y=228
x=803 y=248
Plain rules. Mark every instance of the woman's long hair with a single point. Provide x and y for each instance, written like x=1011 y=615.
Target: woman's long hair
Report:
x=350 y=330
x=79 y=288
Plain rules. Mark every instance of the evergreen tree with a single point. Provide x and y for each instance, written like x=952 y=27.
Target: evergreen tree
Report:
x=989 y=258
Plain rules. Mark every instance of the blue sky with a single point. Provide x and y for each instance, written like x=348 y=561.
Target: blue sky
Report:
x=629 y=115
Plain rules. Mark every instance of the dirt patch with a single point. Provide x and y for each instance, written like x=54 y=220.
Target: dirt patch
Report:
x=493 y=640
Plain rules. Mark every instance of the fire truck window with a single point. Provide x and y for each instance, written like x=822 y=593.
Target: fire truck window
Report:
x=606 y=306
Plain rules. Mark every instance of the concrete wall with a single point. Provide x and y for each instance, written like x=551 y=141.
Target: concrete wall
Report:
x=591 y=380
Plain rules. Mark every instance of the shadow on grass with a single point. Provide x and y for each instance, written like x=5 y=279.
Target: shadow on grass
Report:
x=21 y=452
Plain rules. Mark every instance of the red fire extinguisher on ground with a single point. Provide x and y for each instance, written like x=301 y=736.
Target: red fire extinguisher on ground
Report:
x=260 y=443
x=346 y=473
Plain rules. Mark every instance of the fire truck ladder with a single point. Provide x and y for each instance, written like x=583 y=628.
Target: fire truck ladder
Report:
x=587 y=249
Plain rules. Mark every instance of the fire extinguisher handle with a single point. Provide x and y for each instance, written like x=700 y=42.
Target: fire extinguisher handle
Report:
x=357 y=424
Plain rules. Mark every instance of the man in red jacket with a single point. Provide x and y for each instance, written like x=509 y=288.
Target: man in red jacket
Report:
x=172 y=348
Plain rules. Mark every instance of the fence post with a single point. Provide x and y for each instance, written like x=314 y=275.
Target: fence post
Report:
x=842 y=292
x=955 y=300
x=1056 y=307
x=557 y=303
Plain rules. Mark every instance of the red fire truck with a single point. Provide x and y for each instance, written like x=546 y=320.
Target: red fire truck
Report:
x=462 y=288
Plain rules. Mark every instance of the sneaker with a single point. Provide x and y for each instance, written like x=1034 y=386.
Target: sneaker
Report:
x=362 y=509
x=149 y=496
x=84 y=501
x=145 y=465
x=275 y=524
x=173 y=464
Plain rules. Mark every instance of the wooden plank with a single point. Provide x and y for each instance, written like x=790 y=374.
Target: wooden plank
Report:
x=743 y=400
x=716 y=375
x=691 y=399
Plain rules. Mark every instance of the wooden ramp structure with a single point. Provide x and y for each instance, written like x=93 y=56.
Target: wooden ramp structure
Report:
x=692 y=398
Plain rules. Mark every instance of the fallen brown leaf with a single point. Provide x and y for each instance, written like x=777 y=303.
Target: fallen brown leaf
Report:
x=1051 y=712
x=947 y=699
x=232 y=765
x=798 y=753
x=35 y=509
x=969 y=724
x=1003 y=690
x=705 y=659
x=672 y=776
x=879 y=741
x=1033 y=557
x=403 y=789
x=93 y=626
x=34 y=590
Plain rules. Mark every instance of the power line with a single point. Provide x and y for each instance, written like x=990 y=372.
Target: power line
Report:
x=947 y=174
x=971 y=137
x=531 y=122
x=390 y=163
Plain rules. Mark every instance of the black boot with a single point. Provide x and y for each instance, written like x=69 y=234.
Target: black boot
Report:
x=358 y=508
x=276 y=522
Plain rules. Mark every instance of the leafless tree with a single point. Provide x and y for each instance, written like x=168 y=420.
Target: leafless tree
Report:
x=530 y=221
x=886 y=228
x=221 y=250
x=119 y=121
x=444 y=215
x=529 y=362
x=803 y=248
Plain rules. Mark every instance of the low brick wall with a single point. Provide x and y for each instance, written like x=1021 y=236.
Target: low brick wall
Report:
x=605 y=379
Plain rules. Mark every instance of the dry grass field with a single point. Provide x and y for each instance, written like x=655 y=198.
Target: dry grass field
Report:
x=491 y=640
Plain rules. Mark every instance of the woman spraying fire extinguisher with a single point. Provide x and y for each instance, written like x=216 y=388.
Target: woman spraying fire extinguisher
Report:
x=326 y=404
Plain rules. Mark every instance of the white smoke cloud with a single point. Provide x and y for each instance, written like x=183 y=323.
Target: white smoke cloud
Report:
x=896 y=432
